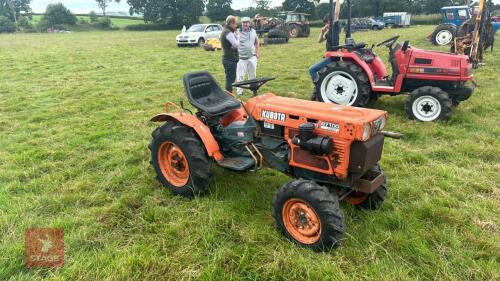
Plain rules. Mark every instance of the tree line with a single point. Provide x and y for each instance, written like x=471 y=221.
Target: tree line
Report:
x=176 y=13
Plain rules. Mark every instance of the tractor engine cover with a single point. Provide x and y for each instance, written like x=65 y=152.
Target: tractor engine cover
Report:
x=319 y=135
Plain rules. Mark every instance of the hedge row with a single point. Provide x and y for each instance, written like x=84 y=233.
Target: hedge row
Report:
x=149 y=26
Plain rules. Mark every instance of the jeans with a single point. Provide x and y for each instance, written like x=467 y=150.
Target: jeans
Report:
x=230 y=70
x=249 y=67
x=313 y=70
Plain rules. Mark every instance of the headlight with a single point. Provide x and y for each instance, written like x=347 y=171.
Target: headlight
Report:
x=380 y=123
x=367 y=130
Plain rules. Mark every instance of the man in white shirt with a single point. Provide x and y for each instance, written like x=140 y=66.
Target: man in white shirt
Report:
x=248 y=51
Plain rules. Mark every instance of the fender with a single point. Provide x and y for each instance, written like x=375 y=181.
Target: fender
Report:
x=351 y=56
x=201 y=130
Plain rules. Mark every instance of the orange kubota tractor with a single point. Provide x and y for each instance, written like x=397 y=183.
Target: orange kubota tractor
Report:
x=331 y=152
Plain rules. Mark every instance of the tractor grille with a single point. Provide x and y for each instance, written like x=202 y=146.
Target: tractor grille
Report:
x=339 y=151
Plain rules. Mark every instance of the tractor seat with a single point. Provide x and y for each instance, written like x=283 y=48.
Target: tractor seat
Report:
x=367 y=57
x=206 y=95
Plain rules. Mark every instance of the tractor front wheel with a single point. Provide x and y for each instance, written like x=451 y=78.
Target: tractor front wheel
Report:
x=309 y=215
x=344 y=83
x=179 y=159
x=427 y=104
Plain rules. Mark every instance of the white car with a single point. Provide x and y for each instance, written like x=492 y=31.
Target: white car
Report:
x=198 y=34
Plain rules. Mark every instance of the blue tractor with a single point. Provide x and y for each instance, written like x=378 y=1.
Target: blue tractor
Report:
x=453 y=17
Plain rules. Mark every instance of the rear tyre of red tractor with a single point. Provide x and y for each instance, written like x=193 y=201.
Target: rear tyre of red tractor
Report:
x=309 y=215
x=427 y=104
x=179 y=159
x=370 y=201
x=344 y=83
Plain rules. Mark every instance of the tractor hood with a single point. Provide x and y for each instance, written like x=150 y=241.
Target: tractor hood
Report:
x=440 y=64
x=346 y=121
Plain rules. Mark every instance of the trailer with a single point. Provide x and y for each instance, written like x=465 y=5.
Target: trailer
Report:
x=399 y=19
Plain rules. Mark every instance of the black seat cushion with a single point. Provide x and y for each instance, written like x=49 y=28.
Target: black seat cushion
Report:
x=365 y=55
x=205 y=94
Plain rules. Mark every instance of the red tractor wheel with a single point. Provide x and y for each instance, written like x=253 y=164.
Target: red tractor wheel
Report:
x=344 y=83
x=309 y=215
x=179 y=159
x=427 y=104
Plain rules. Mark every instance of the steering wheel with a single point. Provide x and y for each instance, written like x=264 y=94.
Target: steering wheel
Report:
x=253 y=84
x=389 y=42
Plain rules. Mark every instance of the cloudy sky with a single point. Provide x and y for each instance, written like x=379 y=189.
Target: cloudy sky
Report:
x=85 y=6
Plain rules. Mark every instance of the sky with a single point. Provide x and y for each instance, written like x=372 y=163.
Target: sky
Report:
x=85 y=6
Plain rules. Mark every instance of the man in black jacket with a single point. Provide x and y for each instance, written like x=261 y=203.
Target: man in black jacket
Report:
x=230 y=44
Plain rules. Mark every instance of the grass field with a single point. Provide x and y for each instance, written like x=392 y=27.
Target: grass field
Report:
x=74 y=130
x=118 y=22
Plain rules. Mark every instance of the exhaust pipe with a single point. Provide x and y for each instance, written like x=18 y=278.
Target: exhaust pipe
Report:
x=392 y=135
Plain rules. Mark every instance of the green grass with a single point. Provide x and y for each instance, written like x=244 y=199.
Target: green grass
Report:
x=74 y=130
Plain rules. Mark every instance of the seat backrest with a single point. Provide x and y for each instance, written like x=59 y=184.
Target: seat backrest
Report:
x=199 y=85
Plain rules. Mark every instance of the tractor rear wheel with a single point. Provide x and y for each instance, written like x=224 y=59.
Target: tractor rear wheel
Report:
x=276 y=33
x=179 y=159
x=371 y=201
x=443 y=34
x=309 y=215
x=344 y=83
x=427 y=104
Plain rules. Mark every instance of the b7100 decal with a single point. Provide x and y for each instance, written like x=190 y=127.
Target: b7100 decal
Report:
x=330 y=126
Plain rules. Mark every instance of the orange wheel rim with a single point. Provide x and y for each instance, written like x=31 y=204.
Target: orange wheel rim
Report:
x=301 y=221
x=356 y=198
x=173 y=164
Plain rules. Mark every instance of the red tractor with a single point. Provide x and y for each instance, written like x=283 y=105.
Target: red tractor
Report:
x=436 y=81
x=331 y=152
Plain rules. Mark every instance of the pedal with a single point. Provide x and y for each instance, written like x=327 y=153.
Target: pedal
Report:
x=237 y=163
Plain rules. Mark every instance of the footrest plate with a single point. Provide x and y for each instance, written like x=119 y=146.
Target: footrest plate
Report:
x=237 y=163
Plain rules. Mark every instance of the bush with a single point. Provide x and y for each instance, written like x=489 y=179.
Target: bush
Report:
x=6 y=25
x=83 y=21
x=144 y=27
x=102 y=23
x=24 y=24
x=56 y=14
x=432 y=19
x=93 y=17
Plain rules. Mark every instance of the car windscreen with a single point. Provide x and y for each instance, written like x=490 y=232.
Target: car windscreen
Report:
x=196 y=28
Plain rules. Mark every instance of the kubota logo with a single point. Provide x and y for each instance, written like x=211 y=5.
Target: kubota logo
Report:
x=266 y=114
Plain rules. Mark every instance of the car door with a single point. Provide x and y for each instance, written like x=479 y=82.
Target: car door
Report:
x=212 y=31
x=217 y=31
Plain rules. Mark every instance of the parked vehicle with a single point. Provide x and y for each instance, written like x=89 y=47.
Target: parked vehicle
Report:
x=198 y=34
x=366 y=24
x=453 y=17
x=436 y=81
x=293 y=24
x=330 y=152
x=400 y=19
